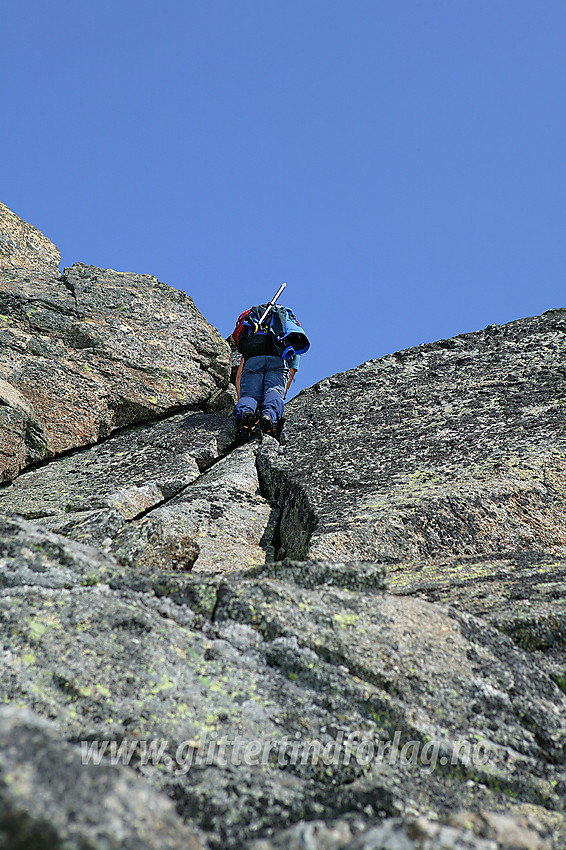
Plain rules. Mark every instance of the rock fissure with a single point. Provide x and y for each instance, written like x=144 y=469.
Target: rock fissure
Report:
x=79 y=450
x=298 y=519
x=272 y=534
x=204 y=464
x=68 y=284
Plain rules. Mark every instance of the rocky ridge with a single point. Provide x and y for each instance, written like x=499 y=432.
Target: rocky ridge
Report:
x=396 y=682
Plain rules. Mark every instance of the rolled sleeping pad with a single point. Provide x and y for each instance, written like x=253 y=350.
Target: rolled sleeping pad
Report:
x=295 y=337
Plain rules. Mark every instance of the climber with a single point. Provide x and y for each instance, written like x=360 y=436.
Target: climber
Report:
x=263 y=379
x=271 y=341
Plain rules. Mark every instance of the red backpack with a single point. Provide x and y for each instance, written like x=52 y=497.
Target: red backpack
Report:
x=242 y=326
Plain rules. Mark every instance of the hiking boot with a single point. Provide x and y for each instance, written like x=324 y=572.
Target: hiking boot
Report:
x=245 y=426
x=268 y=426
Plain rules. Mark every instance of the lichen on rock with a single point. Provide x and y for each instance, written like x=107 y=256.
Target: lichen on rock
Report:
x=450 y=448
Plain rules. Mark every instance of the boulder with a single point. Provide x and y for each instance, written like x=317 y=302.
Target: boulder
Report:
x=93 y=350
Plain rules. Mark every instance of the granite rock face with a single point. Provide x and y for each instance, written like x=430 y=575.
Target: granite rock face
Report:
x=22 y=439
x=93 y=350
x=24 y=246
x=161 y=494
x=397 y=681
x=522 y=595
x=451 y=448
x=300 y=678
x=100 y=350
x=223 y=515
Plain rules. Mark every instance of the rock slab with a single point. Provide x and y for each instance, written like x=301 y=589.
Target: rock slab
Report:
x=24 y=246
x=128 y=473
x=451 y=448
x=162 y=494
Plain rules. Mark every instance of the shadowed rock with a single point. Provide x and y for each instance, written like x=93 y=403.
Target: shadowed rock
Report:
x=455 y=447
x=22 y=439
x=50 y=800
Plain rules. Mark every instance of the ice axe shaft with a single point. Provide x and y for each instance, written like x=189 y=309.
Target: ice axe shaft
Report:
x=272 y=303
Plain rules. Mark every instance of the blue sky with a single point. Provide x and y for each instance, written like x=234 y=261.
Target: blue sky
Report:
x=399 y=163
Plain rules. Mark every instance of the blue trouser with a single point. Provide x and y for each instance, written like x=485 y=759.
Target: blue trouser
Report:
x=263 y=382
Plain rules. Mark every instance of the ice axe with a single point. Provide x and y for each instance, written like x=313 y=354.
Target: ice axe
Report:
x=269 y=306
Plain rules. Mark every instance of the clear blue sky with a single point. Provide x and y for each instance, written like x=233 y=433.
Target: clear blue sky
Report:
x=400 y=163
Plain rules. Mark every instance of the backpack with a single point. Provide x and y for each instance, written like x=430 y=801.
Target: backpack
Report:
x=243 y=325
x=286 y=332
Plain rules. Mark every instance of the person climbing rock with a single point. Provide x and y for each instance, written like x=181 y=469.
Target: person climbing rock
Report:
x=262 y=379
x=271 y=341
